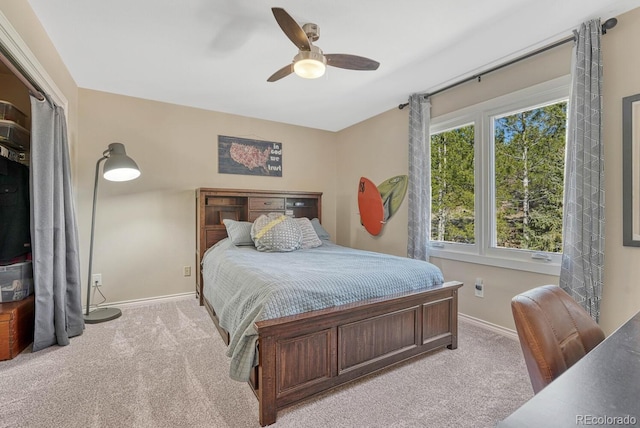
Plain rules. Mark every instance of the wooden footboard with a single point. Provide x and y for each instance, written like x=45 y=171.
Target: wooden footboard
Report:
x=303 y=355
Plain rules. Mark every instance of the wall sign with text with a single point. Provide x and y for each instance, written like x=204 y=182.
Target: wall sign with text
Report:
x=249 y=157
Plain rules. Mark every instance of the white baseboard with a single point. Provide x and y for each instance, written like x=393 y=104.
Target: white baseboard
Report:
x=511 y=334
x=148 y=300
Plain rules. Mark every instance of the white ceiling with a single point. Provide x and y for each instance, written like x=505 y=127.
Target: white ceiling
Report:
x=218 y=54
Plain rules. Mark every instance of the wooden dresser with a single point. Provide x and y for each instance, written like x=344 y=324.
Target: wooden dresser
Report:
x=16 y=326
x=215 y=205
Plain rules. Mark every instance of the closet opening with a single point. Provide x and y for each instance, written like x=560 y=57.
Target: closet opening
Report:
x=16 y=270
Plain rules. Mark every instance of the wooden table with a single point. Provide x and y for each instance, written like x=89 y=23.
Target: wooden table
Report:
x=602 y=389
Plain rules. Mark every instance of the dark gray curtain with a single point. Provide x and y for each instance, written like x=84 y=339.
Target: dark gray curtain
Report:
x=54 y=234
x=419 y=177
x=583 y=240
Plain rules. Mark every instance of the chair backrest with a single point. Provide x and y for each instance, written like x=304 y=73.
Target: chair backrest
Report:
x=554 y=332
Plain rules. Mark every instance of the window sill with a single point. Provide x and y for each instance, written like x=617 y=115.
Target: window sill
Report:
x=536 y=266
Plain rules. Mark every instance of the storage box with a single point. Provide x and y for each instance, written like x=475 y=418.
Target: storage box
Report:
x=14 y=135
x=16 y=327
x=16 y=281
x=10 y=112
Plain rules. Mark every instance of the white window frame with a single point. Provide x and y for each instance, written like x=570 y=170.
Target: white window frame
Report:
x=481 y=117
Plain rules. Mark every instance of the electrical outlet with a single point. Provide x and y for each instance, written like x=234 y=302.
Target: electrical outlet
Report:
x=96 y=279
x=479 y=287
x=187 y=271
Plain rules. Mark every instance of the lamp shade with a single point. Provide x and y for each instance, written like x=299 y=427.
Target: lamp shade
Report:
x=119 y=166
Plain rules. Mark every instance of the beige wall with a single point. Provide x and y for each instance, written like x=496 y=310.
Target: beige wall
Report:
x=145 y=229
x=377 y=149
x=621 y=52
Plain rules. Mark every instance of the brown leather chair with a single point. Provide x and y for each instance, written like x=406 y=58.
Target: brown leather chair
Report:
x=554 y=332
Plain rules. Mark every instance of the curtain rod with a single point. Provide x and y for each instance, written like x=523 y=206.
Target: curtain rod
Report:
x=609 y=24
x=26 y=81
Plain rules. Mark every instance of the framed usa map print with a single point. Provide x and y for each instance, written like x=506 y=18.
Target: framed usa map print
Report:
x=249 y=157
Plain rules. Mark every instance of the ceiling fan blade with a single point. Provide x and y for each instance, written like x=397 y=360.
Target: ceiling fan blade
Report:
x=351 y=62
x=283 y=72
x=294 y=32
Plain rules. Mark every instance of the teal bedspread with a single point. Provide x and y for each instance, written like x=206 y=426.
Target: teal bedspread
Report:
x=245 y=285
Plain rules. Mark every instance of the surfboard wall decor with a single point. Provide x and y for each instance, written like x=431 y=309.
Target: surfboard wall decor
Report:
x=392 y=191
x=370 y=206
x=377 y=204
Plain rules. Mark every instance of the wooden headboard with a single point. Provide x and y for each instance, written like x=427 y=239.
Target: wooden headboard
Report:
x=215 y=205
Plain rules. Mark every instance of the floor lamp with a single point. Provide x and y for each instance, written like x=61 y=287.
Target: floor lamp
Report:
x=118 y=167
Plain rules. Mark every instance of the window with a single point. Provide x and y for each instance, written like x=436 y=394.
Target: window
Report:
x=452 y=185
x=497 y=180
x=529 y=148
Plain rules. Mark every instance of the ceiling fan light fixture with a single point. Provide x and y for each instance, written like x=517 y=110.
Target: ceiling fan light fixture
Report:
x=310 y=64
x=309 y=68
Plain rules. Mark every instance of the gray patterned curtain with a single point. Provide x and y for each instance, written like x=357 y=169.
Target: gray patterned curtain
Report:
x=583 y=240
x=54 y=235
x=419 y=177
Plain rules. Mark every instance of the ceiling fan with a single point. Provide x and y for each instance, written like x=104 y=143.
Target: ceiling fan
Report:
x=310 y=62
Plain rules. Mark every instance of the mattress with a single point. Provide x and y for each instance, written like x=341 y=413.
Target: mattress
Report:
x=244 y=285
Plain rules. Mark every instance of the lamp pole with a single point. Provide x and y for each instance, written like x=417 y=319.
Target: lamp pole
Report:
x=93 y=224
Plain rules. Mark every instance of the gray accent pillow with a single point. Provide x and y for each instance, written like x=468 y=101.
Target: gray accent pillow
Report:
x=276 y=232
x=309 y=236
x=239 y=231
x=320 y=231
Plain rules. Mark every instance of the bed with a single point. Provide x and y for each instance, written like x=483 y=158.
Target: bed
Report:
x=302 y=322
x=290 y=352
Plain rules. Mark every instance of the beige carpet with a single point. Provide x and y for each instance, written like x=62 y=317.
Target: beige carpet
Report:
x=163 y=365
